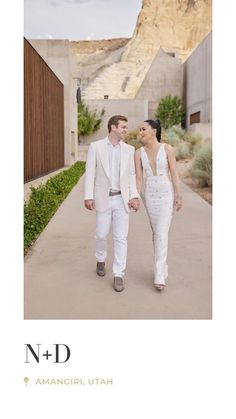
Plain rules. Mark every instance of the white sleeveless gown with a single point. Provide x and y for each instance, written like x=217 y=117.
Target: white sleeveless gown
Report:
x=159 y=202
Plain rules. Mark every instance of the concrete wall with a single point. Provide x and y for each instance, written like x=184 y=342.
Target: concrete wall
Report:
x=165 y=77
x=136 y=111
x=58 y=56
x=204 y=129
x=198 y=82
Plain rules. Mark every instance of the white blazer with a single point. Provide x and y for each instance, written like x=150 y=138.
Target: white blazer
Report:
x=97 y=175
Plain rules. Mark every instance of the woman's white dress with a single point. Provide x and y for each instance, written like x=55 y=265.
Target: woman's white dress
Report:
x=159 y=200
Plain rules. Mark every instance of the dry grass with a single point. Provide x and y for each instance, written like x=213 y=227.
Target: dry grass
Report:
x=183 y=169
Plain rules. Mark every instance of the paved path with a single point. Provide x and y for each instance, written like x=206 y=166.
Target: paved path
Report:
x=60 y=278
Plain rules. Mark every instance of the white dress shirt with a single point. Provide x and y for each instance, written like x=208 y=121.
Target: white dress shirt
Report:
x=114 y=165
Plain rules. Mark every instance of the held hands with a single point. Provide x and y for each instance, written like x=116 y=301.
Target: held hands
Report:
x=178 y=203
x=89 y=204
x=134 y=204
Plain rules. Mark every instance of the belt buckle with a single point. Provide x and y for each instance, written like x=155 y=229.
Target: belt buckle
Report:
x=114 y=193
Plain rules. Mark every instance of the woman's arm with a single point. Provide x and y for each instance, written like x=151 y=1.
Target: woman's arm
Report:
x=174 y=176
x=138 y=169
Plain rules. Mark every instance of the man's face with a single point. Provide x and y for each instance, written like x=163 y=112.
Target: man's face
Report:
x=121 y=129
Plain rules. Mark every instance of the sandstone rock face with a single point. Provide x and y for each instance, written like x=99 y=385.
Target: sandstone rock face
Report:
x=93 y=56
x=118 y=67
x=175 y=25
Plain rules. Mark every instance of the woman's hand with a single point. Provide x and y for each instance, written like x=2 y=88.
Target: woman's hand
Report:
x=178 y=203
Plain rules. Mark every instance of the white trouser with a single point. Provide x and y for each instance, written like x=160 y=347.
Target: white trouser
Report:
x=117 y=216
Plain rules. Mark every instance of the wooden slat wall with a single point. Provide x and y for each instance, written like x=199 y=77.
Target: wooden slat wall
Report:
x=43 y=117
x=194 y=118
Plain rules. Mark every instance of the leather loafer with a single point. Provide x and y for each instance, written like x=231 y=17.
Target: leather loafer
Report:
x=101 y=271
x=118 y=284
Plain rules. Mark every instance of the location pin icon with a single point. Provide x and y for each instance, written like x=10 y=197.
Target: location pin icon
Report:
x=26 y=379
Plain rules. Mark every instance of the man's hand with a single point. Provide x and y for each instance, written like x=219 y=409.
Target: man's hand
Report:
x=134 y=204
x=89 y=204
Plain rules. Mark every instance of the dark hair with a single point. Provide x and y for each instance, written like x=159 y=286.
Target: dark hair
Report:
x=155 y=125
x=114 y=120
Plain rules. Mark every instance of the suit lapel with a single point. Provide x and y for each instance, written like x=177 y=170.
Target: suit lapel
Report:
x=124 y=156
x=103 y=152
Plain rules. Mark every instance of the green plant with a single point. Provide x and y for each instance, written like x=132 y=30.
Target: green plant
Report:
x=193 y=139
x=132 y=138
x=88 y=121
x=186 y=143
x=202 y=165
x=183 y=150
x=172 y=137
x=45 y=200
x=180 y=132
x=170 y=111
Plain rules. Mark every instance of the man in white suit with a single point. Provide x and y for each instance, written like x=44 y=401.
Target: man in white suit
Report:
x=110 y=189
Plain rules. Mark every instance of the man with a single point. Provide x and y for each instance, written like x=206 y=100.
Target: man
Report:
x=110 y=189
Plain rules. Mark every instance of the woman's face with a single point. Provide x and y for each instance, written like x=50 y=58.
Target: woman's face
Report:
x=146 y=133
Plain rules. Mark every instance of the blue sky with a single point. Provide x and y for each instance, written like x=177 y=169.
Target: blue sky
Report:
x=80 y=19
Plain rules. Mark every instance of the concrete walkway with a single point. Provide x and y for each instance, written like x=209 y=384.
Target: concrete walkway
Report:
x=60 y=278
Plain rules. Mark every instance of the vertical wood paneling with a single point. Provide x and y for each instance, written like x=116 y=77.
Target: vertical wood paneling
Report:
x=43 y=117
x=194 y=118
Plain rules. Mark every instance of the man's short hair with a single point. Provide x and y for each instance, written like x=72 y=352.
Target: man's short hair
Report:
x=114 y=120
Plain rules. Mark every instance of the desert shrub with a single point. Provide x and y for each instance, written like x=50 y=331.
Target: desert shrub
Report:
x=193 y=139
x=180 y=132
x=132 y=138
x=172 y=137
x=202 y=165
x=179 y=139
x=183 y=150
x=45 y=200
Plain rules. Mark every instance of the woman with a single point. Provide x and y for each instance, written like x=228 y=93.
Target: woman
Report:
x=155 y=162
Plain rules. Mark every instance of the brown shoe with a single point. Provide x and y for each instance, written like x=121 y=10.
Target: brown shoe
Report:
x=118 y=284
x=101 y=271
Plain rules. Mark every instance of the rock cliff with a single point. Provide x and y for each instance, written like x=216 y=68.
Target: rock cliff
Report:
x=177 y=26
x=118 y=67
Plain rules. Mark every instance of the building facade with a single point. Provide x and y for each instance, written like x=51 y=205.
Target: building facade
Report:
x=57 y=54
x=43 y=117
x=198 y=88
x=164 y=77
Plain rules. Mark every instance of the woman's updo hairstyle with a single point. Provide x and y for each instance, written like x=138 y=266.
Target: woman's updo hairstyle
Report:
x=155 y=125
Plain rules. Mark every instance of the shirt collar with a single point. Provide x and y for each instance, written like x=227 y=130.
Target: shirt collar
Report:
x=110 y=144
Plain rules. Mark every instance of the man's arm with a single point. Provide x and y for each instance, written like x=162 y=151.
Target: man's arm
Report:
x=134 y=201
x=90 y=178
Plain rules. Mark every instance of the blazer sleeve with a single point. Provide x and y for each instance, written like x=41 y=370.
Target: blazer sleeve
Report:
x=133 y=192
x=90 y=173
